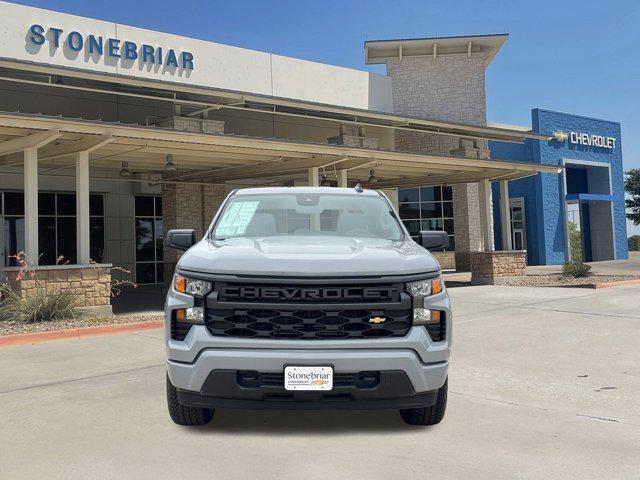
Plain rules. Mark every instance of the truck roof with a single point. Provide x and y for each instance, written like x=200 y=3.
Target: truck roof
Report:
x=334 y=190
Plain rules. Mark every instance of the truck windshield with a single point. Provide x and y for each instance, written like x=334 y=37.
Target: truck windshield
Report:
x=305 y=214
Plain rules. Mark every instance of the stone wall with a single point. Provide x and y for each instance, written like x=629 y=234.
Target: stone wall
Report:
x=351 y=136
x=447 y=260
x=188 y=206
x=90 y=284
x=448 y=88
x=490 y=267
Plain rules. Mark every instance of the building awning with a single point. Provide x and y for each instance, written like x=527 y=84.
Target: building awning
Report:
x=219 y=158
x=593 y=197
x=197 y=100
x=377 y=51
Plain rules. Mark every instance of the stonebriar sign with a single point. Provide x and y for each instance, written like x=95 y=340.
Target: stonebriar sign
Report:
x=115 y=48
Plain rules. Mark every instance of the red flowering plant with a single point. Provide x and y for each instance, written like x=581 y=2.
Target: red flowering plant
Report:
x=35 y=303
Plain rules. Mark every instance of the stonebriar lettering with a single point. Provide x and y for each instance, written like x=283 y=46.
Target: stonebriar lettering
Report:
x=111 y=47
x=592 y=140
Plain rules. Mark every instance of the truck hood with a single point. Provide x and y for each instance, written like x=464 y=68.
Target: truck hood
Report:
x=311 y=256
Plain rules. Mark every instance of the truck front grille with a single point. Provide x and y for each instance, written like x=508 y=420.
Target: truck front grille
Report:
x=308 y=324
x=327 y=311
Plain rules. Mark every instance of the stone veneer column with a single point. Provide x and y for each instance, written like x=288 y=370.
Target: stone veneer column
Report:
x=448 y=88
x=466 y=222
x=188 y=206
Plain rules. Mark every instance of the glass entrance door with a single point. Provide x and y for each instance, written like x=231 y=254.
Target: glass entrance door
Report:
x=518 y=229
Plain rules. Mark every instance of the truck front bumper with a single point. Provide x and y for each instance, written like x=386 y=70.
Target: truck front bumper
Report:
x=205 y=368
x=229 y=389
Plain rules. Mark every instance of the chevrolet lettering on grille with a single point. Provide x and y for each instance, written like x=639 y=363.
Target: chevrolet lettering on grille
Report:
x=249 y=293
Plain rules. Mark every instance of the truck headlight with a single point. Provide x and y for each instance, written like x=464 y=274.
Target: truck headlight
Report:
x=191 y=286
x=420 y=291
x=190 y=315
x=198 y=289
x=424 y=316
x=424 y=288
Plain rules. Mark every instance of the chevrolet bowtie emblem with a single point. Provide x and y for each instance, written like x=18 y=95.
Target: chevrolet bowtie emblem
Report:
x=377 y=320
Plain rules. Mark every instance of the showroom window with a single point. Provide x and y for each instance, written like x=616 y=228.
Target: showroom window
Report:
x=427 y=208
x=149 y=239
x=56 y=227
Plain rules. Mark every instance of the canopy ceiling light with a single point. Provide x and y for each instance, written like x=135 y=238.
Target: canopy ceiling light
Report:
x=169 y=165
x=124 y=171
x=325 y=182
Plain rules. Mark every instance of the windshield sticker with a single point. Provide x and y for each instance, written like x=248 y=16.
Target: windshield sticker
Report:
x=236 y=219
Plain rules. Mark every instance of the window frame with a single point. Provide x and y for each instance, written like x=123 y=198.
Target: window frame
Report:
x=419 y=201
x=154 y=218
x=54 y=216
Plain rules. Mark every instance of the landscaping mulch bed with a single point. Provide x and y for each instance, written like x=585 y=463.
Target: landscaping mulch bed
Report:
x=15 y=328
x=562 y=281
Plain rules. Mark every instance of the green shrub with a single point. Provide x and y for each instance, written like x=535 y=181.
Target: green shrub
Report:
x=38 y=306
x=576 y=269
x=634 y=243
x=575 y=242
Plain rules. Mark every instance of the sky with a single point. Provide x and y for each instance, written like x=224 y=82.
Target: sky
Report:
x=578 y=57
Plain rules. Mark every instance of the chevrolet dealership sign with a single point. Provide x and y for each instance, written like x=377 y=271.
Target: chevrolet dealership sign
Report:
x=590 y=140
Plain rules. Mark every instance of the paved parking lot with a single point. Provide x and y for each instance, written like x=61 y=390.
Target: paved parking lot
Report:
x=545 y=383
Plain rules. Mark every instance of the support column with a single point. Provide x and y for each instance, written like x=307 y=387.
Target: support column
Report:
x=82 y=208
x=505 y=215
x=342 y=179
x=466 y=222
x=31 y=205
x=314 y=177
x=484 y=192
x=314 y=181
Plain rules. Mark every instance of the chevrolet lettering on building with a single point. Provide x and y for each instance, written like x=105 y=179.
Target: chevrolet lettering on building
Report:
x=592 y=140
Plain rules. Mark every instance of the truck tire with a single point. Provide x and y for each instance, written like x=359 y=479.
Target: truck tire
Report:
x=429 y=415
x=183 y=414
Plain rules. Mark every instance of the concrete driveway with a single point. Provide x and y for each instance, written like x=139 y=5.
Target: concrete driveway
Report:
x=545 y=383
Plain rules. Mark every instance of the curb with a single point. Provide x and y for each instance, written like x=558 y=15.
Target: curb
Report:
x=616 y=284
x=82 y=332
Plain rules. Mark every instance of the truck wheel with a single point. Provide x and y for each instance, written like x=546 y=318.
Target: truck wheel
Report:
x=183 y=414
x=428 y=415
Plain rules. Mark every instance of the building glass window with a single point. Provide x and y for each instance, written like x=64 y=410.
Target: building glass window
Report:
x=427 y=208
x=56 y=227
x=149 y=239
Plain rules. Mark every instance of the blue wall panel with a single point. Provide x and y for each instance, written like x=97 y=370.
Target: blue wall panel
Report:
x=544 y=193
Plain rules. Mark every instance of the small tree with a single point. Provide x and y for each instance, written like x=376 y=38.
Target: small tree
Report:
x=632 y=187
x=575 y=242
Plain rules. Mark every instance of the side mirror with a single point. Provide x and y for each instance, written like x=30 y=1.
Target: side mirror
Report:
x=181 y=239
x=434 y=241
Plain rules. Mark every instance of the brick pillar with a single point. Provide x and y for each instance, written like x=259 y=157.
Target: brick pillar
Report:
x=214 y=195
x=466 y=222
x=188 y=206
x=181 y=208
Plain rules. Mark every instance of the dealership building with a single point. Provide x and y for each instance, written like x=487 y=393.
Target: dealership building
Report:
x=110 y=135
